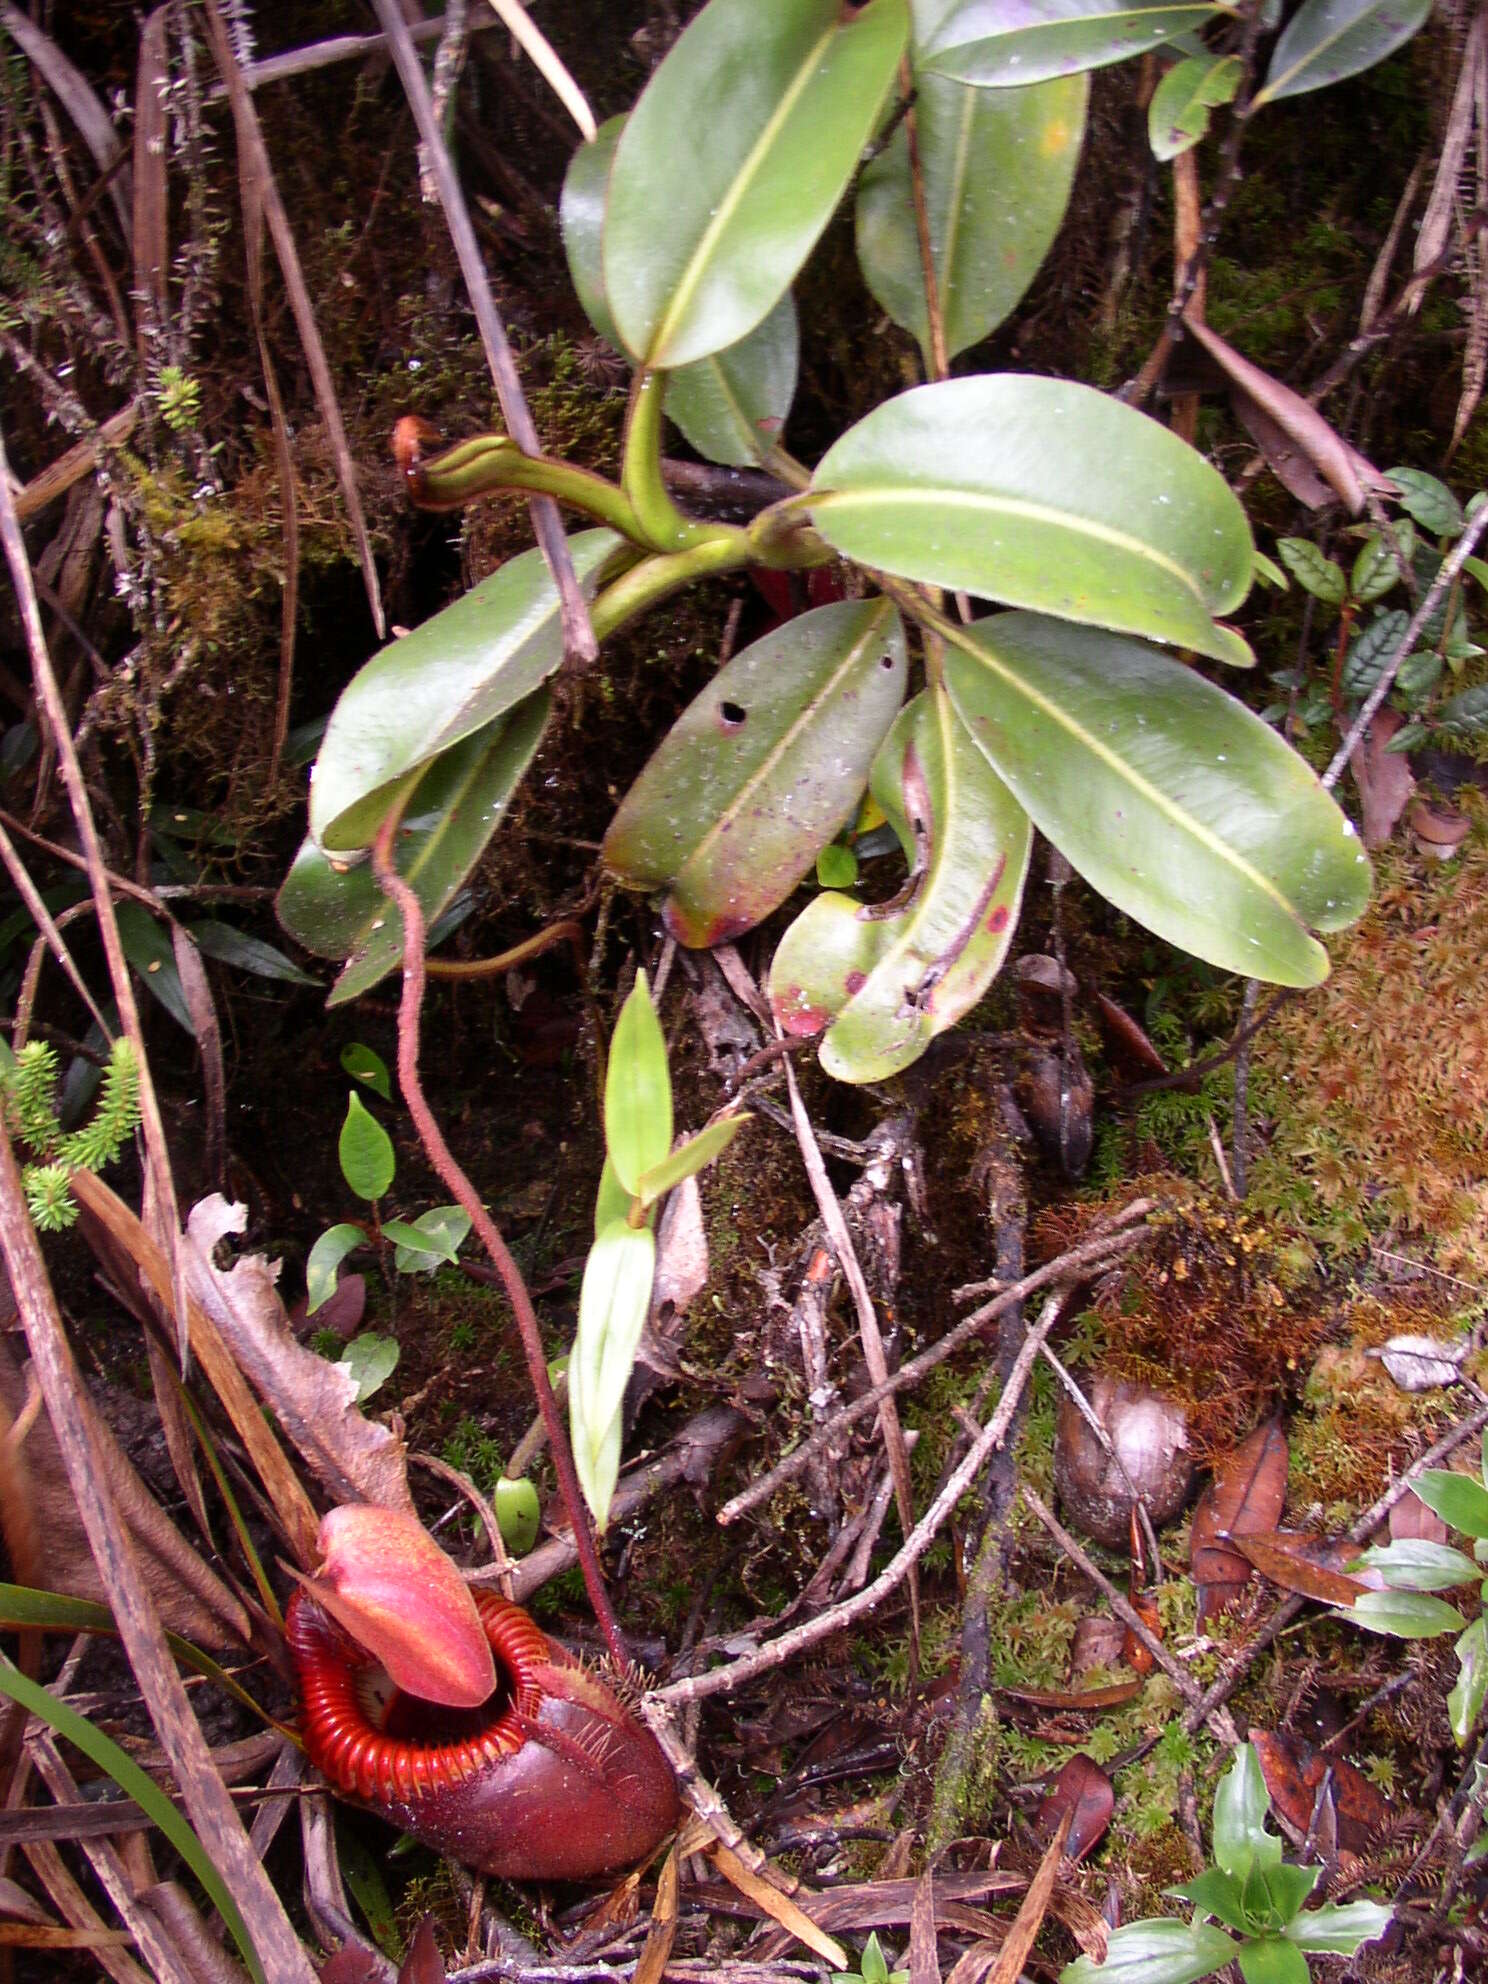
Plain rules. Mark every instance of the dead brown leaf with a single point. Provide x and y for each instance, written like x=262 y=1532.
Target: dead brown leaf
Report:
x=1384 y=778
x=1033 y=1908
x=1083 y=1792
x=1307 y=1565
x=924 y=1959
x=313 y=1400
x=1245 y=1498
x=1294 y=1772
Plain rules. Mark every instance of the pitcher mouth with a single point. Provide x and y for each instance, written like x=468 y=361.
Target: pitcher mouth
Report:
x=378 y=1742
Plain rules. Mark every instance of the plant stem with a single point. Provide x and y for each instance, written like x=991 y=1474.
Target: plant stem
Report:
x=488 y=464
x=662 y=524
x=646 y=584
x=442 y=1158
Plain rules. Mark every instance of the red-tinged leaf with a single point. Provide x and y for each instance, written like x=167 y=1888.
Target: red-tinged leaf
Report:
x=1082 y=1789
x=1138 y=1656
x=1412 y=1522
x=1294 y=1771
x=1119 y=1693
x=341 y=1312
x=423 y=1963
x=351 y=1965
x=1245 y=1498
x=1126 y=1041
x=1343 y=468
x=1384 y=778
x=1308 y=1565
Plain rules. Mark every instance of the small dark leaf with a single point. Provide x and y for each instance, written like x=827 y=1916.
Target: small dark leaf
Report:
x=423 y=1964
x=1293 y=1771
x=1245 y=1498
x=1082 y=1788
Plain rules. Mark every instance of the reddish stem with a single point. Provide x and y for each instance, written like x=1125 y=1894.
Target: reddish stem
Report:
x=441 y=1157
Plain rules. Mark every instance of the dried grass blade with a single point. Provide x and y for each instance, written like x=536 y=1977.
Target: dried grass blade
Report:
x=151 y=193
x=203 y=1010
x=73 y=91
x=779 y=1907
x=253 y=160
x=547 y=61
x=1436 y=222
x=1032 y=1910
x=211 y=1810
x=924 y=1961
x=663 y=1929
x=51 y=1870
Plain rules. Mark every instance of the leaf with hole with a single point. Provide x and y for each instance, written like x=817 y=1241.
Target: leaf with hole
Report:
x=1167 y=795
x=1046 y=495
x=613 y=1302
x=731 y=163
x=638 y=1090
x=1178 y=115
x=996 y=167
x=995 y=44
x=366 y=1151
x=761 y=771
x=452 y=676
x=336 y=909
x=1327 y=40
x=884 y=984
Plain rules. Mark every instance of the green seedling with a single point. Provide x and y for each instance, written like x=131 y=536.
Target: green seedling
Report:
x=640 y=1169
x=1249 y=1908
x=873 y=1969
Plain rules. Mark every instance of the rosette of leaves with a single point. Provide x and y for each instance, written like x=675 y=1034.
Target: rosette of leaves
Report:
x=1110 y=545
x=1249 y=1907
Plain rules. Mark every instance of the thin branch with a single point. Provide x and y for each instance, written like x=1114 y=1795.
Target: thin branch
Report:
x=547 y=525
x=811 y=1632
x=442 y=1158
x=1070 y=1266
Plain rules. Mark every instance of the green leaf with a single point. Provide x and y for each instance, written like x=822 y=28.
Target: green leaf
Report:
x=836 y=867
x=1047 y=495
x=732 y=406
x=731 y=163
x=363 y=1065
x=1269 y=573
x=371 y=1361
x=366 y=1151
x=126 y=1773
x=329 y=1251
x=1217 y=1893
x=361 y=1869
x=889 y=983
x=613 y=1201
x=452 y=676
x=581 y=213
x=518 y=1514
x=1272 y=1960
x=1375 y=569
x=1287 y=1888
x=1465 y=1702
x=1338 y=1929
x=1178 y=115
x=337 y=910
x=996 y=169
x=688 y=1158
x=1172 y=799
x=761 y=770
x=613 y=1301
x=1406 y=738
x=1412 y=1564
x=250 y=954
x=1312 y=571
x=431 y=1241
x=638 y=1090
x=1326 y=40
x=995 y=45
x=1368 y=652
x=148 y=949
x=1466 y=713
x=1241 y=1802
x=1457 y=1499
x=1158 y=1952
x=1430 y=502
x=1404 y=1615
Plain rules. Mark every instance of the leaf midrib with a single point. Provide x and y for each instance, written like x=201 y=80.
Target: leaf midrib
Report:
x=987 y=657
x=1022 y=29
x=902 y=495
x=1274 y=91
x=723 y=215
